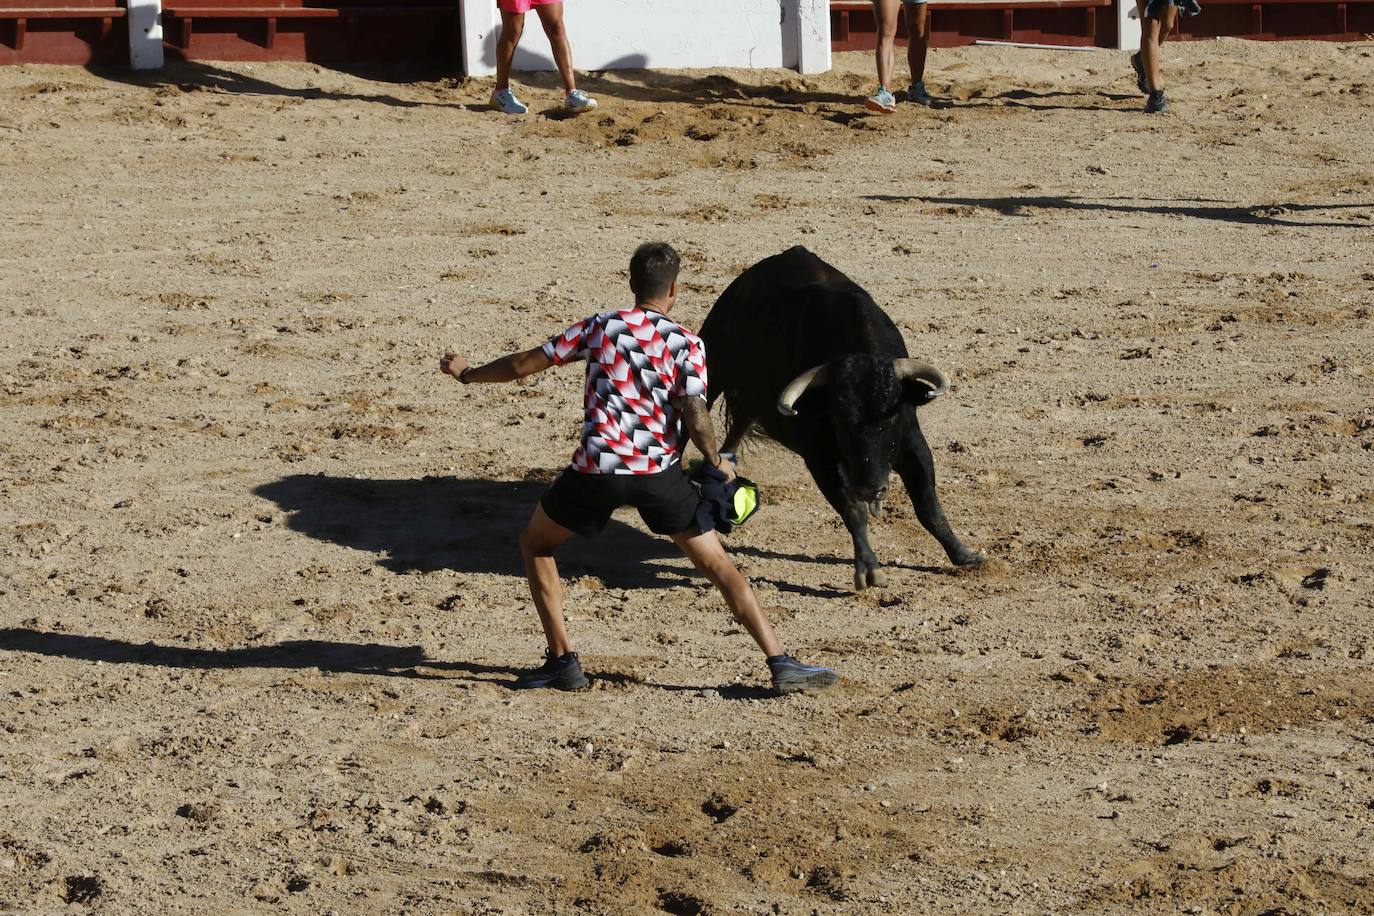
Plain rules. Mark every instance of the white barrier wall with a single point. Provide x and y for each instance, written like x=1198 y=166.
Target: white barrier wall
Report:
x=1127 y=26
x=145 y=34
x=629 y=34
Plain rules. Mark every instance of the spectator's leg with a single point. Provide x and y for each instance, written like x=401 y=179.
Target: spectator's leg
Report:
x=512 y=24
x=917 y=38
x=886 y=12
x=1152 y=34
x=551 y=17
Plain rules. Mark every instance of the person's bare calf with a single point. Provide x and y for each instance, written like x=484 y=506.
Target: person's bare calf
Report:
x=709 y=557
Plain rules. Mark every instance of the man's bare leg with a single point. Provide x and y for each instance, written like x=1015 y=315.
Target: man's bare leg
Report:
x=538 y=542
x=709 y=557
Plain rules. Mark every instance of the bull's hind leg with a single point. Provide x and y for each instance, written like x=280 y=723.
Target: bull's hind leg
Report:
x=855 y=516
x=917 y=469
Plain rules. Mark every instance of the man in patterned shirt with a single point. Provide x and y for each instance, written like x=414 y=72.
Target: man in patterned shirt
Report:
x=645 y=388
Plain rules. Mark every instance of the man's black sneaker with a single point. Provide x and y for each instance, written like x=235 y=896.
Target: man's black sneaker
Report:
x=561 y=673
x=1157 y=103
x=1140 y=82
x=791 y=676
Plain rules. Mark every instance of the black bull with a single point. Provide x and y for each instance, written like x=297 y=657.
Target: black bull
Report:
x=798 y=348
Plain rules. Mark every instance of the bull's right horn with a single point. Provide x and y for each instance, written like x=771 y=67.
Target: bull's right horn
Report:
x=925 y=373
x=797 y=387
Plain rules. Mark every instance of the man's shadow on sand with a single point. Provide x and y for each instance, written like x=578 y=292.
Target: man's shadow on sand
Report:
x=300 y=654
x=430 y=524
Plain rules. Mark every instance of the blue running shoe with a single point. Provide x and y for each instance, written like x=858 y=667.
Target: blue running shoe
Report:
x=561 y=673
x=791 y=676
x=881 y=101
x=504 y=101
x=578 y=101
x=917 y=93
x=1156 y=103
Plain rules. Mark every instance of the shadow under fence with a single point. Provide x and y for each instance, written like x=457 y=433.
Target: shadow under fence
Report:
x=1274 y=214
x=200 y=76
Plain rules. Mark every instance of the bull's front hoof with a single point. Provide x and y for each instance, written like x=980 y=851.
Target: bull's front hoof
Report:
x=971 y=559
x=864 y=578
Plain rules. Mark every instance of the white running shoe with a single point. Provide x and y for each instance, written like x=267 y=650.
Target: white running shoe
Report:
x=504 y=101
x=578 y=101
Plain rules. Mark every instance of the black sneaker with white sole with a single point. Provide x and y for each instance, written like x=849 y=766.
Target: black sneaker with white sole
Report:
x=791 y=676
x=561 y=673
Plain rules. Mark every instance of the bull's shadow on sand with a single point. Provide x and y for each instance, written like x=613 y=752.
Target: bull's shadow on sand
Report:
x=430 y=524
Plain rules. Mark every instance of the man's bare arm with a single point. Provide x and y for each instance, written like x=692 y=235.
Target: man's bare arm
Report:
x=506 y=369
x=696 y=419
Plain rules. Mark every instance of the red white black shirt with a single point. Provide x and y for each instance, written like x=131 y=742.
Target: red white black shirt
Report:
x=638 y=361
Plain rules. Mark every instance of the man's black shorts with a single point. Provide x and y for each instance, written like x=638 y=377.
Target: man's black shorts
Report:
x=583 y=503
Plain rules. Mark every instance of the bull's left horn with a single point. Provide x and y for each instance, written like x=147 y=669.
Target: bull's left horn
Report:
x=925 y=373
x=797 y=387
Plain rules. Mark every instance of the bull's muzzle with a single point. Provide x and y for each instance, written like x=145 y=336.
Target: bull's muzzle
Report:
x=865 y=496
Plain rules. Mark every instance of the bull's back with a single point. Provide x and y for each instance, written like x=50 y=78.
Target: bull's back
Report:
x=761 y=301
x=782 y=316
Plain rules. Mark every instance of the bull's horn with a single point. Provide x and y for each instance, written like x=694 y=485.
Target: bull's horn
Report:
x=797 y=387
x=925 y=373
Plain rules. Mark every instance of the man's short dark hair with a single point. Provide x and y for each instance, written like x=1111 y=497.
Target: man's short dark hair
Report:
x=653 y=269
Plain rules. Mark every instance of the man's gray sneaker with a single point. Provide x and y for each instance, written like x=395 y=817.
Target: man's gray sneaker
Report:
x=561 y=673
x=1156 y=103
x=791 y=676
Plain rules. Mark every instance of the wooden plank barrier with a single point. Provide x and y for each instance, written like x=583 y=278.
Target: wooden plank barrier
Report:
x=62 y=32
x=1078 y=23
x=252 y=30
x=1093 y=22
x=96 y=31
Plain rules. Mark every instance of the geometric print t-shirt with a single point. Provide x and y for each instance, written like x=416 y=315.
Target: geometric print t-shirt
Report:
x=638 y=361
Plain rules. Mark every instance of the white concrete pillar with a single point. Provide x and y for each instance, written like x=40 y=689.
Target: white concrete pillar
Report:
x=479 y=21
x=812 y=18
x=145 y=34
x=1127 y=26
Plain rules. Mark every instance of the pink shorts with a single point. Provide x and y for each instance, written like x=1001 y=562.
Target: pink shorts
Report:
x=522 y=6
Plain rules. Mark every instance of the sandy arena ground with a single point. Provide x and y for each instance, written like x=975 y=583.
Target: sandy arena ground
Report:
x=261 y=598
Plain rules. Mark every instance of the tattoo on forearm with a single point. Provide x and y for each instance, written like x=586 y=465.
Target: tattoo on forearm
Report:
x=699 y=427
